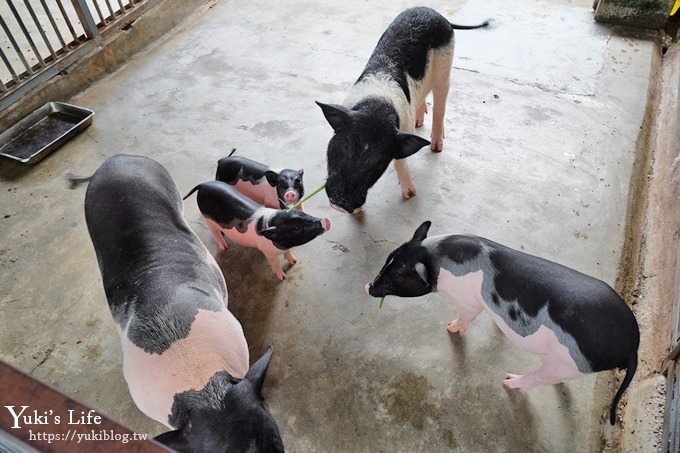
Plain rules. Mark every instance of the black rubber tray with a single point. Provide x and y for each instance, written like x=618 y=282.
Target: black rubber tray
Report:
x=43 y=131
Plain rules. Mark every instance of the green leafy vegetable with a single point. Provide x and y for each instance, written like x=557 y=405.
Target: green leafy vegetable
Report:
x=306 y=197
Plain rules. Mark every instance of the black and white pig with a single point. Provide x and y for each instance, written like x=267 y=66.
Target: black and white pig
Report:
x=375 y=124
x=576 y=322
x=260 y=183
x=185 y=357
x=274 y=232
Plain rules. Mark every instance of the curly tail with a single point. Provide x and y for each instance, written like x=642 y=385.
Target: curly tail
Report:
x=630 y=371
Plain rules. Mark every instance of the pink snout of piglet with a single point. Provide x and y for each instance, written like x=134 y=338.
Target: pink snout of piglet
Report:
x=290 y=197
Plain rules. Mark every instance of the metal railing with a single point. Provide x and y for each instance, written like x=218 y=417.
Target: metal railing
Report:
x=41 y=38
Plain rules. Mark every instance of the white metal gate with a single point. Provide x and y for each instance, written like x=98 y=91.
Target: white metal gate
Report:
x=40 y=38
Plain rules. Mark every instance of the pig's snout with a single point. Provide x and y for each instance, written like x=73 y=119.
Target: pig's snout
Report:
x=290 y=196
x=367 y=288
x=325 y=224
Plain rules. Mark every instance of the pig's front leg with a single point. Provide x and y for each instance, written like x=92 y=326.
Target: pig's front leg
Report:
x=420 y=114
x=288 y=254
x=408 y=189
x=276 y=265
x=466 y=314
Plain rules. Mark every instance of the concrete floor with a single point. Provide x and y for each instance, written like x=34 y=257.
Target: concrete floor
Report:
x=542 y=121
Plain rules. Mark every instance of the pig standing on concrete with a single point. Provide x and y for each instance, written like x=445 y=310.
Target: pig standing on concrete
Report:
x=247 y=223
x=185 y=358
x=260 y=183
x=376 y=122
x=576 y=322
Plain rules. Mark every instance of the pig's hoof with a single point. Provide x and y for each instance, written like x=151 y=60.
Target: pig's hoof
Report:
x=456 y=327
x=513 y=381
x=437 y=146
x=408 y=192
x=419 y=123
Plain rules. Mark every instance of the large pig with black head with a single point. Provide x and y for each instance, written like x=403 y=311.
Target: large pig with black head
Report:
x=576 y=322
x=185 y=357
x=375 y=124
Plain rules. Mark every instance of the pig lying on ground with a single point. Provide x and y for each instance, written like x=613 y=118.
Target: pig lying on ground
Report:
x=185 y=358
x=576 y=322
x=260 y=183
x=375 y=123
x=247 y=223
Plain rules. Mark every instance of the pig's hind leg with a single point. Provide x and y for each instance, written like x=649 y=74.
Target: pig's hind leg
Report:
x=441 y=73
x=552 y=371
x=216 y=232
x=290 y=257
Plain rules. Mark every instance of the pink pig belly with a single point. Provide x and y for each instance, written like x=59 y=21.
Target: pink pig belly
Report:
x=262 y=193
x=215 y=343
x=466 y=291
x=251 y=239
x=543 y=341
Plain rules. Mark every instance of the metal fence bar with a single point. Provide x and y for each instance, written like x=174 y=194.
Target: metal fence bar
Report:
x=86 y=18
x=99 y=11
x=40 y=29
x=17 y=49
x=53 y=23
x=74 y=30
x=12 y=40
x=108 y=5
x=67 y=20
x=15 y=77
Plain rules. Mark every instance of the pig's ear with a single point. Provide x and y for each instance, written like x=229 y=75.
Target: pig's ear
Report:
x=421 y=232
x=421 y=270
x=301 y=171
x=175 y=440
x=407 y=144
x=258 y=370
x=272 y=177
x=338 y=116
x=268 y=233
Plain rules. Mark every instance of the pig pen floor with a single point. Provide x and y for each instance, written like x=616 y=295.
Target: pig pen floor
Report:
x=542 y=119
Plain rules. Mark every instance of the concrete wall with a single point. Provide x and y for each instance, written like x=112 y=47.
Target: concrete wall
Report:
x=648 y=274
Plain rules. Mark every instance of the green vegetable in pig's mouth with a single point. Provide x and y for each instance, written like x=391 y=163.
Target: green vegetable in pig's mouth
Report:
x=306 y=197
x=382 y=301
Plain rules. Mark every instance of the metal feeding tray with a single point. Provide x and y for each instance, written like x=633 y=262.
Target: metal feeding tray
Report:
x=43 y=131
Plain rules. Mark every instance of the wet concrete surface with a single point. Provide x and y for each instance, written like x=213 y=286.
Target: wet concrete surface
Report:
x=542 y=120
